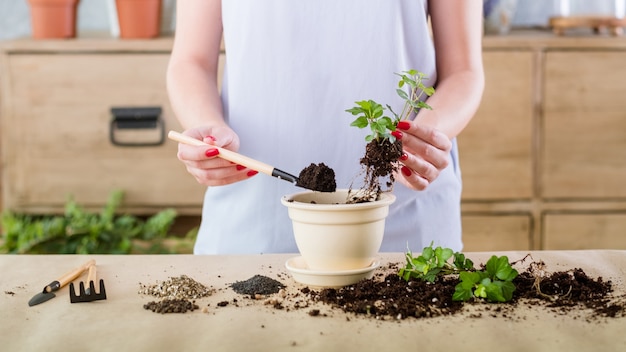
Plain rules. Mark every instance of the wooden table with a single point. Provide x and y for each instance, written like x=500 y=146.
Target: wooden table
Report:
x=121 y=323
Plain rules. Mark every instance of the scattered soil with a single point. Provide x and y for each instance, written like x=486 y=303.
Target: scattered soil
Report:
x=380 y=161
x=387 y=296
x=317 y=177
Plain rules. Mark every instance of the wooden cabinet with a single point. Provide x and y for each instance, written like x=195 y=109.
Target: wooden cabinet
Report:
x=57 y=132
x=496 y=232
x=584 y=154
x=496 y=147
x=549 y=144
x=584 y=230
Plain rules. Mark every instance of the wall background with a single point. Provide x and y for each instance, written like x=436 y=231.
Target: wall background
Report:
x=93 y=15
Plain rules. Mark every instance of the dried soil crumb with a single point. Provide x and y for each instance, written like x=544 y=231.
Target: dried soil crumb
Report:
x=171 y=306
x=318 y=177
x=182 y=287
x=257 y=285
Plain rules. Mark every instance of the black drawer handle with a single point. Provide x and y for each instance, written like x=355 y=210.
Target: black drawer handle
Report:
x=139 y=118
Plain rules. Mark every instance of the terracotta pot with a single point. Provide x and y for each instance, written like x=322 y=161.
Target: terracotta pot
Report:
x=53 y=18
x=333 y=236
x=139 y=18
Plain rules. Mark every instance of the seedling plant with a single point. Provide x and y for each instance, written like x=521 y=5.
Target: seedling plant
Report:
x=494 y=283
x=372 y=114
x=383 y=149
x=433 y=263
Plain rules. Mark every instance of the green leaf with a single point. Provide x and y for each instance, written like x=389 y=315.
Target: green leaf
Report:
x=507 y=290
x=365 y=104
x=428 y=253
x=402 y=94
x=355 y=111
x=461 y=293
x=493 y=292
x=428 y=90
x=469 y=277
x=360 y=122
x=492 y=266
x=480 y=291
x=443 y=254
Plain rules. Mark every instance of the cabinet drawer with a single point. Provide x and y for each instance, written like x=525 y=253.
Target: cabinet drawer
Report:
x=496 y=232
x=585 y=125
x=56 y=134
x=584 y=231
x=496 y=147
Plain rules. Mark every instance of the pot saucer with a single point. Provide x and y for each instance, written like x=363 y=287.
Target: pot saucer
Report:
x=327 y=279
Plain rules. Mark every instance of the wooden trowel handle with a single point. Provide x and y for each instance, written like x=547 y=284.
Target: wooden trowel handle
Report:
x=224 y=153
x=65 y=279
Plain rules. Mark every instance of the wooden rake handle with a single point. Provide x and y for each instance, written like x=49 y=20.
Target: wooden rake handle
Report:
x=224 y=153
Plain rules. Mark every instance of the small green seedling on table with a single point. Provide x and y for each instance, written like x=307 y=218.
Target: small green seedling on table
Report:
x=434 y=262
x=495 y=283
x=370 y=113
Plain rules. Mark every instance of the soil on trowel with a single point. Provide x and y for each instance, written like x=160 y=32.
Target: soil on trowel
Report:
x=380 y=161
x=317 y=177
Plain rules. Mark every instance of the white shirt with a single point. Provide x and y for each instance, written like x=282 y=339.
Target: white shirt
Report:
x=292 y=69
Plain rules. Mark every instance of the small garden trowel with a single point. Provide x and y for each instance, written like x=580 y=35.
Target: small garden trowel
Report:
x=253 y=164
x=47 y=292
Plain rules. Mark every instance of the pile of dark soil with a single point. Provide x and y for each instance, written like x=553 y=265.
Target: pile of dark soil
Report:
x=171 y=306
x=380 y=161
x=317 y=177
x=257 y=285
x=387 y=296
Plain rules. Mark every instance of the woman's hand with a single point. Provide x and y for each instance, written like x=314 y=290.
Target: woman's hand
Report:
x=203 y=162
x=426 y=152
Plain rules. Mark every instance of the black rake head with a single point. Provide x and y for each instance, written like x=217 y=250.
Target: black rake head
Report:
x=88 y=295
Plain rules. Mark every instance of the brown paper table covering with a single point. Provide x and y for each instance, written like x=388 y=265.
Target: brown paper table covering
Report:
x=120 y=323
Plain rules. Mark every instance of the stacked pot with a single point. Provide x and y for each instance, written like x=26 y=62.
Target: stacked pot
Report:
x=52 y=19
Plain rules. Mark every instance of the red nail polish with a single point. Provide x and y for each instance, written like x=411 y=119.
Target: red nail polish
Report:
x=404 y=157
x=397 y=134
x=252 y=173
x=403 y=125
x=212 y=152
x=406 y=171
x=240 y=167
x=210 y=137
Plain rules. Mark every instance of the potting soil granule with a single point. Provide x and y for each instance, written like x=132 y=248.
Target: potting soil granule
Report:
x=182 y=287
x=257 y=285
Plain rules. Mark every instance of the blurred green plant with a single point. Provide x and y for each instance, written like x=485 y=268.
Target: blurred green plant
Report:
x=81 y=232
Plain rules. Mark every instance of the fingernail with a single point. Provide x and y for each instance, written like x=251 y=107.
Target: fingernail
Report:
x=406 y=171
x=252 y=173
x=212 y=152
x=404 y=156
x=403 y=125
x=397 y=134
x=240 y=167
x=210 y=137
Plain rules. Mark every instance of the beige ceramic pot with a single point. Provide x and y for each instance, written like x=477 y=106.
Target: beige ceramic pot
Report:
x=332 y=235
